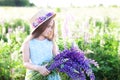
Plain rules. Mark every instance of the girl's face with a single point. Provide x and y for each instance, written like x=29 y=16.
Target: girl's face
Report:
x=49 y=30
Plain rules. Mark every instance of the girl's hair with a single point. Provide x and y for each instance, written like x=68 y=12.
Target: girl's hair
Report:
x=42 y=28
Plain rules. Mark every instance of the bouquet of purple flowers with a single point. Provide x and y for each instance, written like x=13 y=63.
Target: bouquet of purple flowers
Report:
x=74 y=63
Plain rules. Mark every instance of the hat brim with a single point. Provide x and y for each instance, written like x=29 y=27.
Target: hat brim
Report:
x=43 y=22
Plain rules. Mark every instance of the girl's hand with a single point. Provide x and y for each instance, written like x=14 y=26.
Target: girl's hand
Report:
x=43 y=70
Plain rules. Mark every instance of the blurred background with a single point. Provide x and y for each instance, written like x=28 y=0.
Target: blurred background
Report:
x=94 y=25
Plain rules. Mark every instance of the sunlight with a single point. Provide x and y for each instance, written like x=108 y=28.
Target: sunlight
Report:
x=80 y=3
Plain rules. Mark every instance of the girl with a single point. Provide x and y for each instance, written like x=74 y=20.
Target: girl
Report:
x=40 y=46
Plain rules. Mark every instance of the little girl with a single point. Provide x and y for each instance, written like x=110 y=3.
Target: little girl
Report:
x=40 y=46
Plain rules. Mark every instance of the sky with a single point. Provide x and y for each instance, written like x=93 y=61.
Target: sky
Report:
x=67 y=3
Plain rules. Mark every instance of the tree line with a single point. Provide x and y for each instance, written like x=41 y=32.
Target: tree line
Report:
x=15 y=3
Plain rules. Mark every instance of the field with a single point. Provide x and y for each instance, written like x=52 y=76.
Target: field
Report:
x=26 y=12
x=96 y=30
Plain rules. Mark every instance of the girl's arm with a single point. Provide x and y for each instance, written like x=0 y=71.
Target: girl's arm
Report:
x=26 y=56
x=55 y=49
x=26 y=60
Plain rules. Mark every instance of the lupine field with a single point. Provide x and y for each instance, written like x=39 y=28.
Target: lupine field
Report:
x=95 y=30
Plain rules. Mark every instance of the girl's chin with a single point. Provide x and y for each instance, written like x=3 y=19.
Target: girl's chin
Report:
x=46 y=36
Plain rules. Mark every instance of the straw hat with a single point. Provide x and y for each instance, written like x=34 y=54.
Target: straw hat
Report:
x=40 y=17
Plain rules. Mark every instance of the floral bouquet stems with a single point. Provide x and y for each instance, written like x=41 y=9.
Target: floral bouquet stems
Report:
x=35 y=75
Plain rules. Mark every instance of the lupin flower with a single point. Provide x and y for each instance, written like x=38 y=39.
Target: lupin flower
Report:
x=74 y=63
